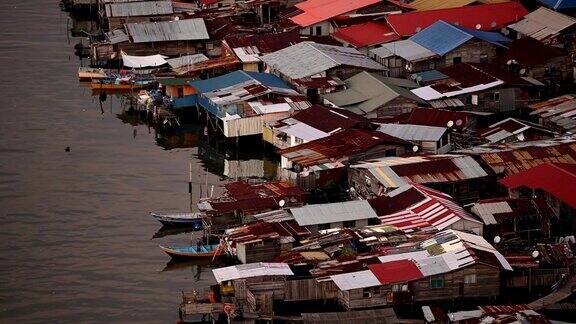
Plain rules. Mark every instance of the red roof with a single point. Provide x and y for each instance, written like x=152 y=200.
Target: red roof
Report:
x=328 y=119
x=338 y=146
x=209 y=2
x=366 y=34
x=437 y=118
x=487 y=16
x=557 y=179
x=272 y=42
x=396 y=271
x=316 y=11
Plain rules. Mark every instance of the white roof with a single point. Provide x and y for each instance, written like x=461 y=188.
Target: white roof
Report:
x=247 y=54
x=332 y=213
x=429 y=93
x=355 y=280
x=303 y=131
x=406 y=49
x=173 y=30
x=143 y=61
x=486 y=210
x=307 y=59
x=262 y=109
x=543 y=23
x=251 y=270
x=410 y=132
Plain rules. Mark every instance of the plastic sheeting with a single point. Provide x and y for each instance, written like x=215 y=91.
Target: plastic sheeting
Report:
x=143 y=61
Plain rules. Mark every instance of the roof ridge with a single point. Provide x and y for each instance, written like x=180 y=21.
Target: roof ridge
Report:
x=322 y=52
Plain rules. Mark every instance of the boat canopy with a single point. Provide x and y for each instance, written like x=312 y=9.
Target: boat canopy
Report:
x=143 y=61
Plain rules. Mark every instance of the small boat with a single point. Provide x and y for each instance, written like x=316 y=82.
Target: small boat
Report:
x=193 y=220
x=191 y=252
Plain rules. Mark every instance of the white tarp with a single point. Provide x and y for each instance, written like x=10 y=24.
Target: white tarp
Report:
x=143 y=61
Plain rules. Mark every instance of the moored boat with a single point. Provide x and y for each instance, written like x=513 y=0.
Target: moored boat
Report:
x=192 y=252
x=193 y=220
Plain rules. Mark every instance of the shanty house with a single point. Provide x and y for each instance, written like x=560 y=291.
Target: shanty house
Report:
x=311 y=124
x=181 y=94
x=322 y=161
x=430 y=138
x=241 y=102
x=405 y=56
x=457 y=44
x=552 y=181
x=310 y=60
x=414 y=207
x=557 y=114
x=451 y=264
x=457 y=175
x=373 y=95
x=118 y=13
x=480 y=88
x=349 y=214
x=514 y=130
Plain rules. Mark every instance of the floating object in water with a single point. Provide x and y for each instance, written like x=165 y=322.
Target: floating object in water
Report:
x=193 y=220
x=192 y=252
x=67 y=149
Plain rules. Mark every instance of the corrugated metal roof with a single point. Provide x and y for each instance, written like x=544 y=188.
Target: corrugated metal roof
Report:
x=308 y=58
x=355 y=280
x=252 y=270
x=559 y=112
x=487 y=210
x=333 y=213
x=186 y=60
x=433 y=210
x=428 y=76
x=557 y=179
x=422 y=5
x=366 y=34
x=141 y=8
x=163 y=31
x=406 y=49
x=543 y=23
x=394 y=172
x=117 y=36
x=413 y=132
x=483 y=17
x=396 y=271
x=442 y=37
x=315 y=11
x=239 y=77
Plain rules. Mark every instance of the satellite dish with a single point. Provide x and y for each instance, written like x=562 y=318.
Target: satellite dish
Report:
x=459 y=122
x=535 y=254
x=281 y=203
x=521 y=137
x=415 y=148
x=505 y=31
x=419 y=78
x=176 y=18
x=497 y=239
x=522 y=71
x=450 y=123
x=478 y=26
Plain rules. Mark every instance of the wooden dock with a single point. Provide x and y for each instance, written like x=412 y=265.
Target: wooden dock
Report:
x=567 y=288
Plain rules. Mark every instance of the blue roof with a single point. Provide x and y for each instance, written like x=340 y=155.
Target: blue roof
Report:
x=559 y=4
x=442 y=37
x=236 y=77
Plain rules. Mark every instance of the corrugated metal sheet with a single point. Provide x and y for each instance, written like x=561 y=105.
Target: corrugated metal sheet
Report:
x=251 y=270
x=333 y=213
x=486 y=210
x=559 y=113
x=417 y=133
x=186 y=60
x=442 y=37
x=422 y=5
x=543 y=23
x=355 y=280
x=117 y=36
x=141 y=8
x=396 y=271
x=163 y=31
x=406 y=49
x=308 y=58
x=316 y=11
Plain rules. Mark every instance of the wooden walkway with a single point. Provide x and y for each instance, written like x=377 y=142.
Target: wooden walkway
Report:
x=566 y=289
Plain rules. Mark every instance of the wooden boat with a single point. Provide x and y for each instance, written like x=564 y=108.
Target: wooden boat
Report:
x=86 y=74
x=132 y=86
x=193 y=220
x=191 y=252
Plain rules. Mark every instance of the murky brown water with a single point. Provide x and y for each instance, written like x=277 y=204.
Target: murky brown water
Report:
x=75 y=234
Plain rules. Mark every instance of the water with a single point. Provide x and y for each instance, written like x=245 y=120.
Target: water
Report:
x=75 y=235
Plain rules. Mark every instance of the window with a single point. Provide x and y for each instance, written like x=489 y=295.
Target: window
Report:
x=323 y=227
x=390 y=152
x=436 y=282
x=399 y=287
x=456 y=60
x=311 y=31
x=495 y=96
x=474 y=100
x=180 y=92
x=483 y=58
x=366 y=292
x=470 y=278
x=298 y=140
x=318 y=30
x=349 y=224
